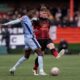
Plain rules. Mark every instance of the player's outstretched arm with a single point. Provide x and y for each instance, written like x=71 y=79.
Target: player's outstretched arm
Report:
x=12 y=22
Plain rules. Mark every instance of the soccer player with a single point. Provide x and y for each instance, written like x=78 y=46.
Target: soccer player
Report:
x=31 y=42
x=44 y=19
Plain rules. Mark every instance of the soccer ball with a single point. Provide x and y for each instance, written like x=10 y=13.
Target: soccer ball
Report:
x=55 y=71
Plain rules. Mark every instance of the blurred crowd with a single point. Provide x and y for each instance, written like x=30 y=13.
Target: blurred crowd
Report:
x=56 y=16
x=60 y=16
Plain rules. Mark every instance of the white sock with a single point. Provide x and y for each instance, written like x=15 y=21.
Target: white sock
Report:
x=20 y=61
x=40 y=62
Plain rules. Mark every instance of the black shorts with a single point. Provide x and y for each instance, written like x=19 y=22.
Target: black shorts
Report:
x=44 y=42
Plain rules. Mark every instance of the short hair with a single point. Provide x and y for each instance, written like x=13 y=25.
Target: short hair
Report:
x=31 y=13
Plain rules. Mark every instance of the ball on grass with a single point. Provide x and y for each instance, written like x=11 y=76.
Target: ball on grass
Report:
x=55 y=71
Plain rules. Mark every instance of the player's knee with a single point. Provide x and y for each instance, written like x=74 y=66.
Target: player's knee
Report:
x=27 y=53
x=51 y=46
x=27 y=56
x=39 y=52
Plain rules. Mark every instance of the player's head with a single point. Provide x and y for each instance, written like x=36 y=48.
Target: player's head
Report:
x=33 y=13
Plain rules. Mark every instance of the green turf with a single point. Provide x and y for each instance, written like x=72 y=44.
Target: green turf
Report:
x=68 y=65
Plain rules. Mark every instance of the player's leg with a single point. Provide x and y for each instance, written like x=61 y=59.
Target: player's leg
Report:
x=35 y=68
x=51 y=46
x=55 y=53
x=36 y=46
x=40 y=61
x=21 y=60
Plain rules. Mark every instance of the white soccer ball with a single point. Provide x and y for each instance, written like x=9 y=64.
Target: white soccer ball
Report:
x=55 y=71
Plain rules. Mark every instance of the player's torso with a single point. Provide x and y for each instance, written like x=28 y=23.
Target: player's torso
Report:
x=27 y=27
x=43 y=29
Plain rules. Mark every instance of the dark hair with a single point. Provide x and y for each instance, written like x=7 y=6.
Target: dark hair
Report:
x=31 y=13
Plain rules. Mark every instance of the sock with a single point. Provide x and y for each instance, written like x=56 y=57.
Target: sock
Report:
x=20 y=61
x=40 y=61
x=36 y=64
x=54 y=52
x=35 y=67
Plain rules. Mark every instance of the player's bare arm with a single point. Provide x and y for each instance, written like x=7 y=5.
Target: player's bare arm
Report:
x=12 y=22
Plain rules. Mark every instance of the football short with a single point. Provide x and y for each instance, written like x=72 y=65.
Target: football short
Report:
x=31 y=43
x=44 y=42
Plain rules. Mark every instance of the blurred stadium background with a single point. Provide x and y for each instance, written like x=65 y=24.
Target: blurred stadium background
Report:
x=66 y=19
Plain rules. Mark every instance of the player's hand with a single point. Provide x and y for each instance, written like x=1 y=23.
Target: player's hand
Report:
x=2 y=24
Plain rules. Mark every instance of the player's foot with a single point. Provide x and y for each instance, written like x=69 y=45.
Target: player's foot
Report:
x=61 y=53
x=35 y=72
x=12 y=70
x=42 y=74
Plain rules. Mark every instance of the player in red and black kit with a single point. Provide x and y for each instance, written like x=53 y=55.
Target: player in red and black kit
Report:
x=44 y=37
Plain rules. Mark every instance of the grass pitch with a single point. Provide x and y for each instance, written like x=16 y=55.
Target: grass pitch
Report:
x=69 y=66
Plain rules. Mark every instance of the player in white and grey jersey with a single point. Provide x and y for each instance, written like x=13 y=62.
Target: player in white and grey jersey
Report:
x=30 y=42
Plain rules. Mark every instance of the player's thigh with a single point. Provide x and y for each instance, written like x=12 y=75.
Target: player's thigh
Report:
x=33 y=44
x=26 y=46
x=50 y=44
